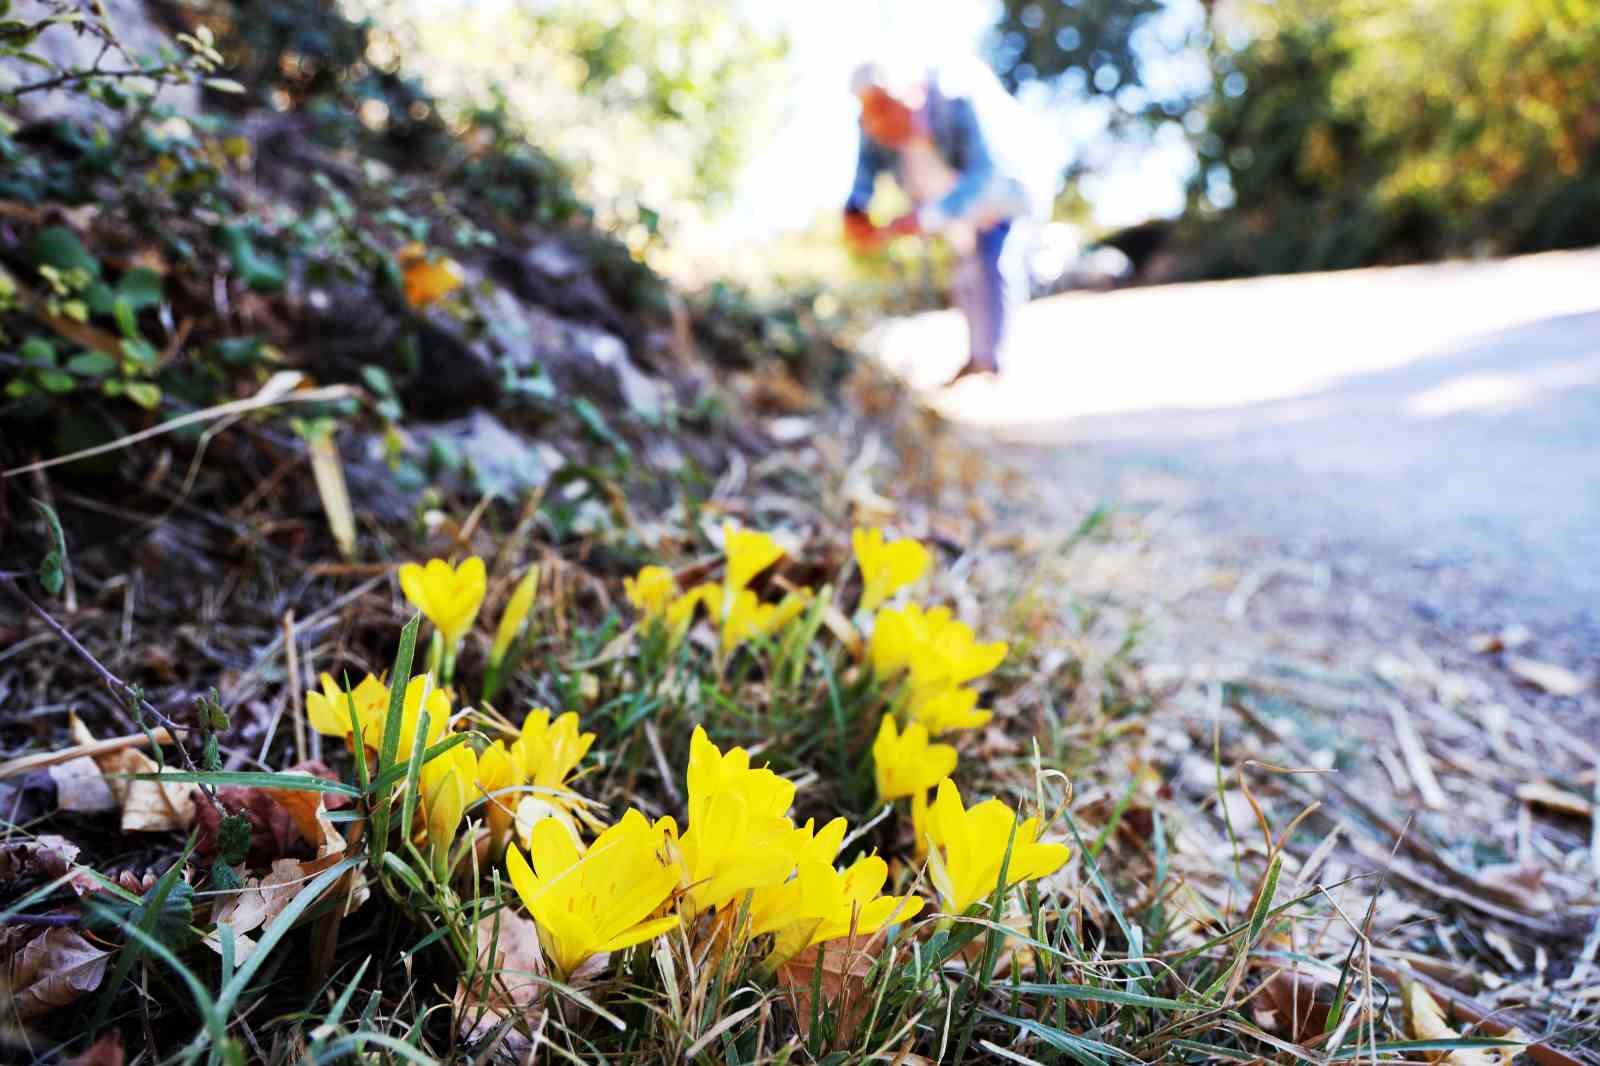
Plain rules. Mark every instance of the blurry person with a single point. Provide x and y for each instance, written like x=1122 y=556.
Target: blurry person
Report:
x=977 y=171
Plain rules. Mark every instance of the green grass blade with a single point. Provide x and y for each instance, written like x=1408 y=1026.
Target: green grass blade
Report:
x=1091 y=994
x=1405 y=1047
x=390 y=745
x=247 y=779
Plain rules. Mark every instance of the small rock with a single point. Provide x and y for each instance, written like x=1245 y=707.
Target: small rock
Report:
x=581 y=360
x=501 y=463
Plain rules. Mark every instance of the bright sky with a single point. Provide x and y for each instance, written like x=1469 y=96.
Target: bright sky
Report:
x=807 y=166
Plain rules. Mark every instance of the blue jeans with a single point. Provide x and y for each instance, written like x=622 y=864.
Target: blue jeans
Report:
x=990 y=284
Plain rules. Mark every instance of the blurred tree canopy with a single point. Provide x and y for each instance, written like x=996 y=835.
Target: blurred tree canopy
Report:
x=1348 y=132
x=1085 y=45
x=655 y=105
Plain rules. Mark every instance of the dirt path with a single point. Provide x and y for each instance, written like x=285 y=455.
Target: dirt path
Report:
x=1321 y=493
x=1427 y=438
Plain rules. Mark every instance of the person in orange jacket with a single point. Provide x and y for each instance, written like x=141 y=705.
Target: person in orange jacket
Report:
x=977 y=173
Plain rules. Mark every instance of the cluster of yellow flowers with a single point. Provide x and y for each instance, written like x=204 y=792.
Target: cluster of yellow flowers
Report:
x=536 y=765
x=733 y=606
x=737 y=849
x=740 y=851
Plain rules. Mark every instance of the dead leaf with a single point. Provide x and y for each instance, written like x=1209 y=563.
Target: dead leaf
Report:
x=1555 y=799
x=147 y=806
x=1427 y=1022
x=81 y=788
x=53 y=970
x=512 y=977
x=107 y=1051
x=1298 y=1003
x=47 y=857
x=257 y=903
x=284 y=822
x=845 y=964
x=1556 y=680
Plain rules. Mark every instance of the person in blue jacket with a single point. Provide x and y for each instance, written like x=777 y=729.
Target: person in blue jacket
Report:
x=977 y=171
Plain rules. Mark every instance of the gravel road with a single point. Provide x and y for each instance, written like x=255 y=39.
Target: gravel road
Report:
x=1429 y=433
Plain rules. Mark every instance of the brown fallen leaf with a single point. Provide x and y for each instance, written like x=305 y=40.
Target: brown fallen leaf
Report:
x=285 y=823
x=273 y=834
x=257 y=903
x=1556 y=680
x=53 y=970
x=107 y=1051
x=147 y=806
x=512 y=978
x=264 y=898
x=1427 y=1022
x=845 y=964
x=1299 y=1003
x=81 y=788
x=48 y=857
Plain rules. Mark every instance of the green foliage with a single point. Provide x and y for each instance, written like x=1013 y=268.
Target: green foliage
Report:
x=52 y=568
x=1353 y=132
x=656 y=106
x=1087 y=43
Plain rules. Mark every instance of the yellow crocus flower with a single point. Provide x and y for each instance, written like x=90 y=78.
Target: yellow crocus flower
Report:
x=935 y=648
x=748 y=553
x=969 y=846
x=945 y=709
x=445 y=783
x=953 y=655
x=821 y=903
x=919 y=822
x=904 y=764
x=427 y=279
x=774 y=907
x=547 y=751
x=599 y=901
x=746 y=618
x=711 y=771
x=737 y=839
x=516 y=613
x=651 y=592
x=497 y=771
x=437 y=704
x=851 y=898
x=887 y=566
x=328 y=711
x=448 y=596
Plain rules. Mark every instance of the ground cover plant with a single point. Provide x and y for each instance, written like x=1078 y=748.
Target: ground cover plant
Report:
x=424 y=636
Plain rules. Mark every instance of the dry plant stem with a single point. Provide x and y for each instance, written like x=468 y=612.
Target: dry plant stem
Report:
x=39 y=760
x=112 y=681
x=291 y=655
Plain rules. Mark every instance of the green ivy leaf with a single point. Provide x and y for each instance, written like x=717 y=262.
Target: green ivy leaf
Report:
x=172 y=922
x=56 y=381
x=36 y=351
x=240 y=351
x=141 y=287
x=91 y=364
x=59 y=247
x=377 y=379
x=145 y=394
x=139 y=350
x=127 y=323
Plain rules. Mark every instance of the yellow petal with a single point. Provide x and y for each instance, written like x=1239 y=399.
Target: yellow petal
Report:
x=516 y=613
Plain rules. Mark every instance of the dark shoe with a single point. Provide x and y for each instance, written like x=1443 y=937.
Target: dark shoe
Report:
x=970 y=368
